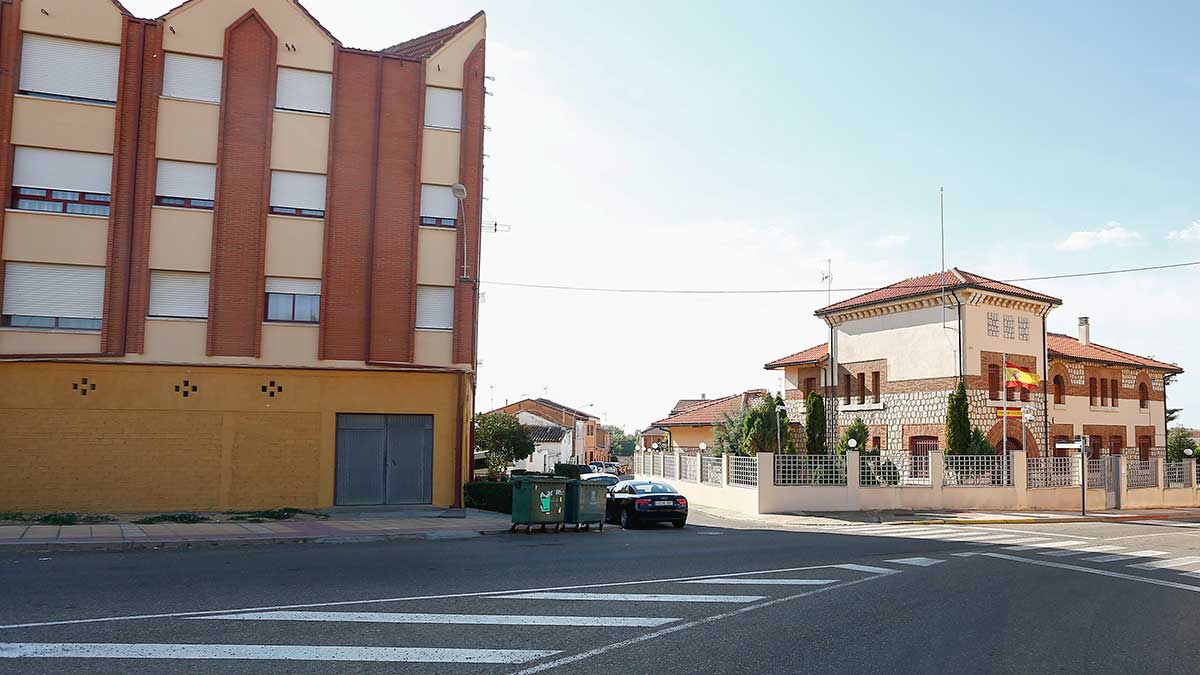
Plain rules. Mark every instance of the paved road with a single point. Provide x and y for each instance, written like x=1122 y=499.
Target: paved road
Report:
x=718 y=596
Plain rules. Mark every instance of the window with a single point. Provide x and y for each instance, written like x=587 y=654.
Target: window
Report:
x=298 y=194
x=178 y=294
x=1103 y=392
x=1113 y=389
x=1097 y=444
x=993 y=324
x=862 y=388
x=439 y=208
x=810 y=384
x=1060 y=390
x=994 y=382
x=70 y=70
x=875 y=385
x=443 y=108
x=1092 y=392
x=1143 y=396
x=296 y=300
x=185 y=184
x=303 y=90
x=1115 y=444
x=1023 y=329
x=1010 y=330
x=196 y=78
x=1144 y=443
x=435 y=307
x=875 y=443
x=60 y=181
x=846 y=393
x=66 y=297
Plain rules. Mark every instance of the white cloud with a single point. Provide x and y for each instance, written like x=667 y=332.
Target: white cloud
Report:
x=1112 y=234
x=1187 y=234
x=892 y=240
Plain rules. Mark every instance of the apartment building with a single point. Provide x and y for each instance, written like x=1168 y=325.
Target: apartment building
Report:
x=896 y=353
x=591 y=441
x=239 y=259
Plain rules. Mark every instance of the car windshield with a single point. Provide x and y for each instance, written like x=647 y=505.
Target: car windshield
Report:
x=651 y=488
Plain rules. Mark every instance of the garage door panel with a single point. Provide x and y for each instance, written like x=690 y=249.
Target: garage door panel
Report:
x=360 y=466
x=410 y=459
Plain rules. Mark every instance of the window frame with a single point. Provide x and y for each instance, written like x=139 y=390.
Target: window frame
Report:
x=267 y=308
x=22 y=193
x=862 y=388
x=6 y=322
x=1143 y=396
x=1114 y=396
x=995 y=382
x=1093 y=391
x=1060 y=390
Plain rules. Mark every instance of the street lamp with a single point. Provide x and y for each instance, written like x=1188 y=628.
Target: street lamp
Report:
x=459 y=191
x=779 y=408
x=703 y=447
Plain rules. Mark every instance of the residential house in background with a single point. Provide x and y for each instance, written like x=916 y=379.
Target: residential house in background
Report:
x=235 y=273
x=899 y=351
x=692 y=421
x=590 y=441
x=553 y=443
x=653 y=435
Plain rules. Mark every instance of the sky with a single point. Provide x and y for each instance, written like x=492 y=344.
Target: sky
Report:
x=739 y=145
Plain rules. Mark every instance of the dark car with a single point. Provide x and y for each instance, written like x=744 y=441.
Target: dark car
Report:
x=607 y=479
x=634 y=502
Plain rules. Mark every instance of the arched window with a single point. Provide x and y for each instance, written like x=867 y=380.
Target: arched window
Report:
x=1092 y=391
x=1113 y=388
x=994 y=382
x=1143 y=396
x=1060 y=390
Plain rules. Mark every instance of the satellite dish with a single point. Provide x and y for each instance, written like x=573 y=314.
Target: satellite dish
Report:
x=459 y=191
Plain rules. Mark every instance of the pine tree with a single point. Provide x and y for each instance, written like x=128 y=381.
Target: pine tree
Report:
x=814 y=425
x=958 y=422
x=859 y=432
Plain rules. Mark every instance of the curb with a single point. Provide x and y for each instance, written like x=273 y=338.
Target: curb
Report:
x=175 y=544
x=950 y=521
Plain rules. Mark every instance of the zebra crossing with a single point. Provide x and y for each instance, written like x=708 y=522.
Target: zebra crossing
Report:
x=521 y=628
x=1054 y=546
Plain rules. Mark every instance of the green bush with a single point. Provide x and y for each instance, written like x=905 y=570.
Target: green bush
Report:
x=186 y=517
x=571 y=470
x=489 y=495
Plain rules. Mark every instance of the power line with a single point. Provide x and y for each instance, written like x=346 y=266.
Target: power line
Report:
x=780 y=291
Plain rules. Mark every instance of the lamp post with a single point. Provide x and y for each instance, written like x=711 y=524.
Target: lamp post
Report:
x=779 y=408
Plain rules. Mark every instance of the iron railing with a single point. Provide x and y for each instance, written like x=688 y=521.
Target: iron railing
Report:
x=978 y=471
x=712 y=470
x=1142 y=473
x=897 y=469
x=689 y=468
x=1176 y=475
x=743 y=470
x=810 y=470
x=1097 y=474
x=668 y=466
x=1052 y=472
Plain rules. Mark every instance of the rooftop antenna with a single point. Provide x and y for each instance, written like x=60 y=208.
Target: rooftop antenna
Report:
x=827 y=279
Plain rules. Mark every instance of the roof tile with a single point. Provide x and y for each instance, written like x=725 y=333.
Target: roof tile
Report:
x=953 y=279
x=811 y=355
x=1065 y=346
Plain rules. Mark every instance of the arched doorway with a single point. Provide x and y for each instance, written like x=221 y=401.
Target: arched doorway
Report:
x=1014 y=444
x=997 y=434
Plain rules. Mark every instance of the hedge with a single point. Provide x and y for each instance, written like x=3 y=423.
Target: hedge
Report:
x=488 y=496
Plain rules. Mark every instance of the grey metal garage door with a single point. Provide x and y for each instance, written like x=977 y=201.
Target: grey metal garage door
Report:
x=384 y=459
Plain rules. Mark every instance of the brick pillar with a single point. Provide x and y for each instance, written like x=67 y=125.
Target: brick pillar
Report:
x=470 y=174
x=10 y=57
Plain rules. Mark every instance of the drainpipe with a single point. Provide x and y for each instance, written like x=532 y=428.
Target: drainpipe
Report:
x=961 y=339
x=1045 y=386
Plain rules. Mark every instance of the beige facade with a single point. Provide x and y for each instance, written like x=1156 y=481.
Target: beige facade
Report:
x=187 y=130
x=298 y=142
x=63 y=125
x=55 y=238
x=82 y=19
x=199 y=28
x=180 y=239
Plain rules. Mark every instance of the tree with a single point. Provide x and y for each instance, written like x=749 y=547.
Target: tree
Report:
x=620 y=443
x=758 y=428
x=859 y=432
x=1172 y=413
x=958 y=422
x=979 y=444
x=502 y=439
x=814 y=425
x=729 y=432
x=1178 y=440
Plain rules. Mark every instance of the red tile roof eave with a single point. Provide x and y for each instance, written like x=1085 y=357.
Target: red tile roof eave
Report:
x=958 y=280
x=426 y=45
x=1110 y=355
x=666 y=421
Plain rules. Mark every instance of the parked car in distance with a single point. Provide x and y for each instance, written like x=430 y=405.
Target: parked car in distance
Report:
x=597 y=466
x=614 y=468
x=635 y=502
x=607 y=479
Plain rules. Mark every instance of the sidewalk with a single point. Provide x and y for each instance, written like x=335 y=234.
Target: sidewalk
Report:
x=340 y=528
x=847 y=519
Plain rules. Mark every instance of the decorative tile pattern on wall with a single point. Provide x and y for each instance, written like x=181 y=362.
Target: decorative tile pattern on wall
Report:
x=271 y=389
x=186 y=389
x=83 y=386
x=1128 y=378
x=1075 y=370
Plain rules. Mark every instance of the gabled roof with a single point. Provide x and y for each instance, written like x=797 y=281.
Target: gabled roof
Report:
x=810 y=356
x=653 y=431
x=186 y=3
x=1065 y=346
x=426 y=45
x=953 y=278
x=570 y=411
x=705 y=414
x=686 y=403
x=545 y=434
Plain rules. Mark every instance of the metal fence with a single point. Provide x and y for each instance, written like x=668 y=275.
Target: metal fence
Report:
x=1176 y=475
x=712 y=470
x=978 y=471
x=689 y=468
x=1097 y=475
x=811 y=470
x=668 y=466
x=656 y=464
x=1052 y=472
x=743 y=470
x=894 y=470
x=1142 y=473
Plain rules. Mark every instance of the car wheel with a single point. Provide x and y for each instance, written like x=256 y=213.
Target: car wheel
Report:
x=679 y=524
x=626 y=521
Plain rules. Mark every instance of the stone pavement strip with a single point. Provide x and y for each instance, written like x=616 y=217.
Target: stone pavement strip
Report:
x=129 y=535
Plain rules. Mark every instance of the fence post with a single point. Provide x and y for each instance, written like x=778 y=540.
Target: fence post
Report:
x=1122 y=482
x=766 y=481
x=1160 y=467
x=1020 y=476
x=1189 y=466
x=853 y=480
x=725 y=466
x=937 y=475
x=677 y=472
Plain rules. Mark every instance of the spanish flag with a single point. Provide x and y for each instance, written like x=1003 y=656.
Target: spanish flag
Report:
x=1019 y=378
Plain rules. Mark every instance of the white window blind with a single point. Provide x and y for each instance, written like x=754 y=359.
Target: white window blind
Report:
x=197 y=78
x=438 y=201
x=443 y=108
x=62 y=170
x=435 y=307
x=35 y=289
x=186 y=179
x=298 y=190
x=303 y=90
x=70 y=68
x=293 y=285
x=179 y=294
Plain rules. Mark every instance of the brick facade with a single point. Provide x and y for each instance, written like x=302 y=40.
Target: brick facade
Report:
x=10 y=68
x=470 y=172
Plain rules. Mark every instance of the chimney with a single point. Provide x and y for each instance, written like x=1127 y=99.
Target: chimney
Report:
x=703 y=397
x=1085 y=331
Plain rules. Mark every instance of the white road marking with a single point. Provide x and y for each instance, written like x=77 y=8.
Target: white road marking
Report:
x=764 y=582
x=967 y=554
x=1095 y=570
x=990 y=537
x=1025 y=540
x=632 y=597
x=866 y=568
x=1168 y=564
x=1101 y=549
x=99 y=650
x=488 y=619
x=1127 y=556
x=1049 y=544
x=1081 y=551
x=917 y=562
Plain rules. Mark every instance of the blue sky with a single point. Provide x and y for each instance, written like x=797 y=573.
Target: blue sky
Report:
x=737 y=145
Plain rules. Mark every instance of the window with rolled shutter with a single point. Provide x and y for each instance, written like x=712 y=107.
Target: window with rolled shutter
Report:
x=69 y=69
x=178 y=294
x=196 y=78
x=53 y=292
x=435 y=307
x=303 y=90
x=443 y=108
x=298 y=194
x=62 y=170
x=185 y=184
x=438 y=206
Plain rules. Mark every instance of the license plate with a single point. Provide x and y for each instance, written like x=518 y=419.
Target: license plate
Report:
x=664 y=503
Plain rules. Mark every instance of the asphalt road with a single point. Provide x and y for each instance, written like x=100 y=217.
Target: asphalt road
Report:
x=716 y=597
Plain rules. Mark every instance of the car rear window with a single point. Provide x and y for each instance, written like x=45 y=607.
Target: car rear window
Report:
x=650 y=488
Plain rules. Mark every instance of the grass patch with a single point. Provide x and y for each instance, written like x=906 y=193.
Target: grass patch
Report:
x=71 y=518
x=285 y=513
x=180 y=517
x=19 y=516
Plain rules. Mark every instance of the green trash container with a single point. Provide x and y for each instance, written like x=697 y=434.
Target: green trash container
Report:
x=538 y=500
x=585 y=504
